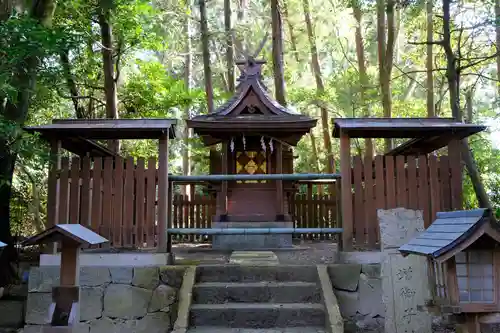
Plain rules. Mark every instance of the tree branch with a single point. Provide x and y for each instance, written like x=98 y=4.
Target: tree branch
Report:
x=119 y=53
x=261 y=45
x=414 y=72
x=483 y=59
x=436 y=42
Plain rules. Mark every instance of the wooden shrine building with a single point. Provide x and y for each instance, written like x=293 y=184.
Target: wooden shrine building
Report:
x=462 y=249
x=256 y=134
x=124 y=201
x=411 y=175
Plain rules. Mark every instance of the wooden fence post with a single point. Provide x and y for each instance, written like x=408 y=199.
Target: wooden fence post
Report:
x=162 y=194
x=345 y=171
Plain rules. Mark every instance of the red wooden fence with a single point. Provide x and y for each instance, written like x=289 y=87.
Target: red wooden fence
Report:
x=427 y=183
x=118 y=198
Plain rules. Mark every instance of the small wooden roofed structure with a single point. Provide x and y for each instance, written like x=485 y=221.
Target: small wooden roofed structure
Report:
x=451 y=233
x=463 y=254
x=75 y=232
x=78 y=135
x=65 y=310
x=426 y=135
x=251 y=111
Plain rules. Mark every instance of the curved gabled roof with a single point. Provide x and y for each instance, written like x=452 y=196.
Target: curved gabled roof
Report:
x=250 y=81
x=237 y=114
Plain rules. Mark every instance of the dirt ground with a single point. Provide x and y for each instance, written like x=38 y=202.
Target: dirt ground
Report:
x=303 y=253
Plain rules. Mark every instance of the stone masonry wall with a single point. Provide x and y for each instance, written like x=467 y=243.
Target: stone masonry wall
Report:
x=359 y=292
x=115 y=299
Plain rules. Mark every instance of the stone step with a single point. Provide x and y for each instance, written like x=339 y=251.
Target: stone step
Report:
x=255 y=292
x=218 y=329
x=257 y=315
x=254 y=258
x=250 y=273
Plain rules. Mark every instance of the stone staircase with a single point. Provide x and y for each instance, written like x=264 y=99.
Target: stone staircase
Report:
x=251 y=299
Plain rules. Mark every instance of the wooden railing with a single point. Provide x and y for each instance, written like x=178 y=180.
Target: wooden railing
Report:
x=307 y=211
x=118 y=198
x=194 y=212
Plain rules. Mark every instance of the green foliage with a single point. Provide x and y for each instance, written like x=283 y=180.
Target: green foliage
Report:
x=151 y=92
x=149 y=48
x=21 y=38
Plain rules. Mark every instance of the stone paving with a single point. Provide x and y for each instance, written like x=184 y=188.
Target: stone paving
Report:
x=259 y=258
x=256 y=330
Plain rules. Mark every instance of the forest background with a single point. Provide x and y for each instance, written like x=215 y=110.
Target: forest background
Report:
x=175 y=59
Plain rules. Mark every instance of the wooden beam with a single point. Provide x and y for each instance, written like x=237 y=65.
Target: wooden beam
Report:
x=163 y=193
x=54 y=167
x=53 y=190
x=70 y=268
x=224 y=170
x=347 y=212
x=279 y=183
x=456 y=174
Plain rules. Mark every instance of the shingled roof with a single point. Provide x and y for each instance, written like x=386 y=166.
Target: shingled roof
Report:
x=251 y=110
x=451 y=233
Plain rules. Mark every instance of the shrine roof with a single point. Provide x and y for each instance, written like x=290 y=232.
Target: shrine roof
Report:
x=404 y=128
x=252 y=118
x=252 y=93
x=451 y=233
x=107 y=129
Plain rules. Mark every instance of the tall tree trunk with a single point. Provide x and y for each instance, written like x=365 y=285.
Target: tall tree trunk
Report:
x=277 y=28
x=451 y=64
x=363 y=77
x=229 y=45
x=72 y=87
x=468 y=105
x=186 y=151
x=386 y=55
x=429 y=60
x=293 y=39
x=452 y=76
x=314 y=153
x=108 y=66
x=206 y=56
x=316 y=69
x=497 y=32
x=16 y=111
x=240 y=15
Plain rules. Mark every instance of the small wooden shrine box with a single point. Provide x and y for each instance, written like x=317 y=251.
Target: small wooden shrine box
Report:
x=64 y=310
x=464 y=266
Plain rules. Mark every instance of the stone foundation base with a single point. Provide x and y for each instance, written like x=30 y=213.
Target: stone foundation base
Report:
x=251 y=242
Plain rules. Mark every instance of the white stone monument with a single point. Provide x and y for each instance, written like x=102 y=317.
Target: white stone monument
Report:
x=405 y=283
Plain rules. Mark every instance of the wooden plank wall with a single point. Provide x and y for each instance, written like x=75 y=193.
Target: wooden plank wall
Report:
x=427 y=183
x=117 y=198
